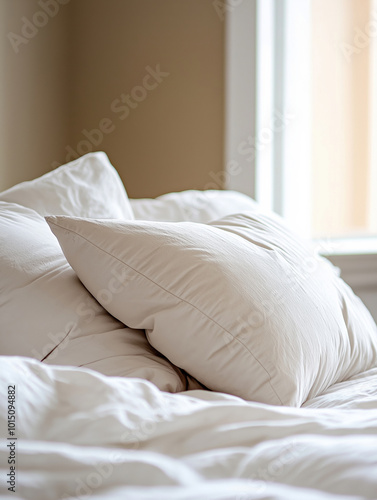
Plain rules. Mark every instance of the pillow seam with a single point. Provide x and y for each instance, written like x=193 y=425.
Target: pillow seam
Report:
x=179 y=298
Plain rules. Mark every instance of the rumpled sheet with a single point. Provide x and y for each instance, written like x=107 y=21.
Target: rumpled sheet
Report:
x=83 y=435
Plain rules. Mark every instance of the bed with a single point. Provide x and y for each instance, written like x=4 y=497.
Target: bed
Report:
x=188 y=347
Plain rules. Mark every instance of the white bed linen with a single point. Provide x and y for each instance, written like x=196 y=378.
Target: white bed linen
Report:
x=192 y=205
x=360 y=391
x=242 y=304
x=84 y=435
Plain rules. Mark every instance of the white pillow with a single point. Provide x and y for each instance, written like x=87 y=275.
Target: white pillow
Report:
x=240 y=304
x=192 y=205
x=87 y=187
x=47 y=314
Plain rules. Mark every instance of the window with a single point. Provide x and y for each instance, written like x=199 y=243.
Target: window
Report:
x=305 y=137
x=343 y=83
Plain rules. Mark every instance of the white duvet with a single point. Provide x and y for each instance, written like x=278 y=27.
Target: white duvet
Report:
x=84 y=435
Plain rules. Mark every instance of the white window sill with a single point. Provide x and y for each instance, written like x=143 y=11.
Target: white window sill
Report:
x=356 y=258
x=348 y=246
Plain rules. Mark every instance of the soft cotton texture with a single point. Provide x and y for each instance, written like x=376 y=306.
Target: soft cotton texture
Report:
x=46 y=313
x=83 y=435
x=241 y=304
x=87 y=187
x=192 y=205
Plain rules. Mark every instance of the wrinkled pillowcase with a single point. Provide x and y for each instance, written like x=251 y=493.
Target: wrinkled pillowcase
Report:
x=46 y=313
x=241 y=304
x=87 y=187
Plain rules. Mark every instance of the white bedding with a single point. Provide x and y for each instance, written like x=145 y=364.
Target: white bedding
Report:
x=84 y=435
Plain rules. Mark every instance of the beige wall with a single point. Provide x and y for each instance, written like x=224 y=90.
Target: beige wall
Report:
x=33 y=95
x=73 y=73
x=2 y=98
x=174 y=138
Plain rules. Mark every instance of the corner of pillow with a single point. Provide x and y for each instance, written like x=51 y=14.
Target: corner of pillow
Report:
x=50 y=218
x=52 y=221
